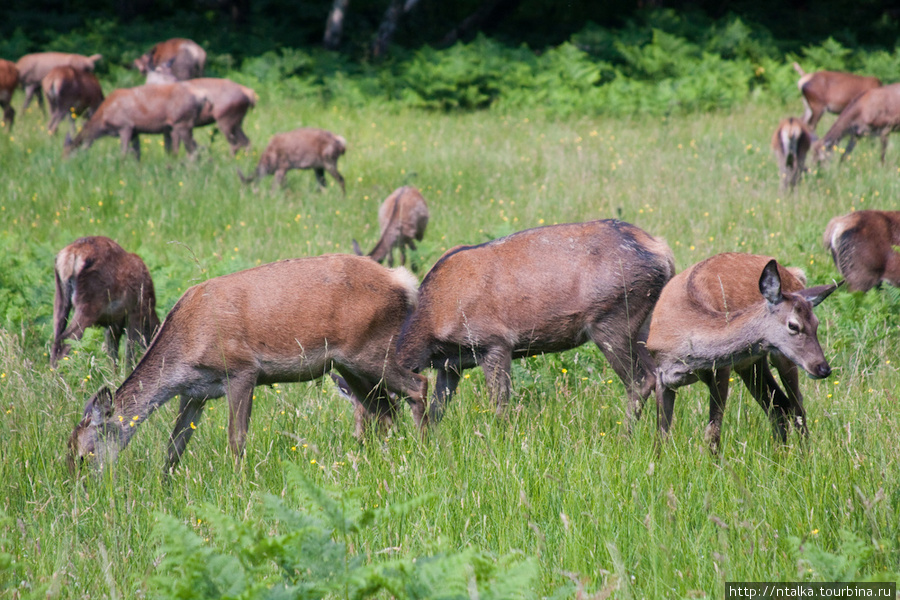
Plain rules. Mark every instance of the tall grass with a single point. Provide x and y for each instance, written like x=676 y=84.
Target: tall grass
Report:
x=557 y=479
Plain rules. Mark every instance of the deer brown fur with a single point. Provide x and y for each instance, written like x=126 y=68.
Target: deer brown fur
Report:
x=731 y=312
x=876 y=112
x=831 y=91
x=188 y=59
x=403 y=217
x=170 y=109
x=541 y=290
x=9 y=81
x=791 y=143
x=286 y=321
x=70 y=92
x=34 y=67
x=304 y=148
x=107 y=287
x=864 y=245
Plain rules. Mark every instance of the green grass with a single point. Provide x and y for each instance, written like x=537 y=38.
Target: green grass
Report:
x=558 y=479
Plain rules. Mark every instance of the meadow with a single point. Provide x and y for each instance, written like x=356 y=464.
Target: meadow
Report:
x=556 y=487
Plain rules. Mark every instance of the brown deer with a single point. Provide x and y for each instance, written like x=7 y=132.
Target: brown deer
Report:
x=790 y=143
x=876 y=112
x=70 y=93
x=9 y=81
x=107 y=287
x=291 y=320
x=304 y=148
x=541 y=290
x=864 y=246
x=831 y=91
x=228 y=103
x=170 y=109
x=402 y=217
x=34 y=67
x=730 y=312
x=187 y=59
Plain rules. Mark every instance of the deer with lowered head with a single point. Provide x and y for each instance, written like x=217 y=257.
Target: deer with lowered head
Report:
x=227 y=103
x=292 y=320
x=541 y=290
x=185 y=57
x=864 y=245
x=70 y=93
x=304 y=148
x=107 y=287
x=9 y=81
x=791 y=143
x=34 y=67
x=876 y=112
x=402 y=217
x=831 y=91
x=170 y=109
x=731 y=312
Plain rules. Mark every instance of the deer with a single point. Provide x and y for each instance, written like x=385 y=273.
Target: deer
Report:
x=876 y=112
x=9 y=81
x=291 y=320
x=402 y=217
x=791 y=143
x=831 y=91
x=170 y=109
x=731 y=312
x=70 y=93
x=864 y=246
x=228 y=103
x=541 y=290
x=34 y=67
x=304 y=148
x=186 y=58
x=107 y=287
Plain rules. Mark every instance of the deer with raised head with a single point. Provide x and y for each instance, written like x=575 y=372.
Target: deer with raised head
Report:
x=186 y=58
x=34 y=67
x=791 y=143
x=292 y=320
x=107 y=287
x=864 y=246
x=402 y=217
x=831 y=91
x=304 y=148
x=876 y=112
x=537 y=291
x=70 y=93
x=170 y=109
x=731 y=312
x=228 y=103
x=9 y=81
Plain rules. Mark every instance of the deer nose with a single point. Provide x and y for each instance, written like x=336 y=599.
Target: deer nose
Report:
x=822 y=371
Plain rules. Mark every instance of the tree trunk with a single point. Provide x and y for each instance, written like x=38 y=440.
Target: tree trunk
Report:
x=388 y=27
x=334 y=26
x=490 y=13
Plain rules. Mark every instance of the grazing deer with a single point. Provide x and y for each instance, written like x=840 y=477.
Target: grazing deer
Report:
x=304 y=148
x=9 y=81
x=876 y=112
x=186 y=58
x=170 y=109
x=291 y=320
x=402 y=217
x=541 y=290
x=108 y=287
x=732 y=311
x=228 y=103
x=34 y=67
x=70 y=93
x=790 y=143
x=864 y=246
x=831 y=91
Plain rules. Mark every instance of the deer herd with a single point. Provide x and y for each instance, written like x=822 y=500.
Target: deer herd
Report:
x=538 y=291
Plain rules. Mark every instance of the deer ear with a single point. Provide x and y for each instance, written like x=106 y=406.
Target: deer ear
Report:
x=815 y=295
x=100 y=405
x=770 y=283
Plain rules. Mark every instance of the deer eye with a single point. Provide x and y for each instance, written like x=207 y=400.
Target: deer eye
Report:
x=794 y=327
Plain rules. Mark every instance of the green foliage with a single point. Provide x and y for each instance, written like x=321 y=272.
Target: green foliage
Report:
x=848 y=563
x=830 y=55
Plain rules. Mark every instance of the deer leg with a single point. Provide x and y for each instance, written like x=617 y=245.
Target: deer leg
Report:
x=337 y=176
x=790 y=379
x=497 y=364
x=850 y=145
x=717 y=382
x=55 y=118
x=113 y=336
x=884 y=143
x=189 y=414
x=665 y=407
x=632 y=363
x=278 y=182
x=187 y=138
x=371 y=402
x=83 y=318
x=320 y=178
x=240 y=402
x=167 y=141
x=762 y=385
